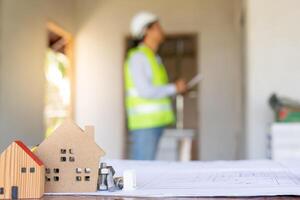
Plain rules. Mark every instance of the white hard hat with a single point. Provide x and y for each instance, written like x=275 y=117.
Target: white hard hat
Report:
x=139 y=23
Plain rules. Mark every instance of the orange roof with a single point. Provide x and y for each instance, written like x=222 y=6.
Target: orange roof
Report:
x=29 y=153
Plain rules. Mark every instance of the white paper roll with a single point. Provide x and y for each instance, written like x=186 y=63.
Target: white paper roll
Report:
x=129 y=177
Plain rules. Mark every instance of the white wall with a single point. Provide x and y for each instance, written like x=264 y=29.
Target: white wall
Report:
x=273 y=52
x=23 y=38
x=102 y=27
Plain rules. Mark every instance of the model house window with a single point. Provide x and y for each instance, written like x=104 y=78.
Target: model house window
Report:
x=23 y=169
x=47 y=178
x=63 y=159
x=87 y=170
x=56 y=170
x=47 y=170
x=1 y=190
x=63 y=151
x=71 y=151
x=78 y=170
x=56 y=178
x=71 y=158
x=78 y=178
x=32 y=170
x=87 y=178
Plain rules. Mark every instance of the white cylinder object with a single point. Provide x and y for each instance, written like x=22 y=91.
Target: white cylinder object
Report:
x=129 y=177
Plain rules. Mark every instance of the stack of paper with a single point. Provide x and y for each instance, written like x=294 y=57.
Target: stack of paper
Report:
x=285 y=141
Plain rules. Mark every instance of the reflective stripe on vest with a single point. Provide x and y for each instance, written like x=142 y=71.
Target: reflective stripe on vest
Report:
x=132 y=93
x=144 y=112
x=146 y=109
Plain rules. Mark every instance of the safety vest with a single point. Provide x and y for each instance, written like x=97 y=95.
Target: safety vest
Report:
x=145 y=112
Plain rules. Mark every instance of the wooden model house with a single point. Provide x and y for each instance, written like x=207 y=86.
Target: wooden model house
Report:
x=21 y=173
x=72 y=158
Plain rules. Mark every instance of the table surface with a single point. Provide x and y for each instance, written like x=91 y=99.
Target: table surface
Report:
x=128 y=198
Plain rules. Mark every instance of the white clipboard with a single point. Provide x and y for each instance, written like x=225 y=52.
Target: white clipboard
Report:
x=194 y=81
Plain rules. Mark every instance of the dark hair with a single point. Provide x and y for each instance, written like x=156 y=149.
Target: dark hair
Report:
x=135 y=42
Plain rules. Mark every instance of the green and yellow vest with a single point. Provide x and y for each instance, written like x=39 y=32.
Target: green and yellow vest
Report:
x=143 y=112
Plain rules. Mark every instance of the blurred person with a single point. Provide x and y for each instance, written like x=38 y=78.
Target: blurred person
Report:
x=148 y=91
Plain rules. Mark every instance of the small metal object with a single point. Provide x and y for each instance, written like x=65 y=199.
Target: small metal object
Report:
x=99 y=179
x=119 y=182
x=103 y=165
x=103 y=172
x=110 y=182
x=106 y=179
x=112 y=170
x=103 y=186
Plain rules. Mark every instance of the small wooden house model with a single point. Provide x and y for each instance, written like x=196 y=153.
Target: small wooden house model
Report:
x=21 y=173
x=72 y=158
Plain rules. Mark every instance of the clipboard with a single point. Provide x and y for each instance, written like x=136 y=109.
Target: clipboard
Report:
x=194 y=81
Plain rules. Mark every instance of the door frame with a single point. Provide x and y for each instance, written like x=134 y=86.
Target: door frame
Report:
x=69 y=49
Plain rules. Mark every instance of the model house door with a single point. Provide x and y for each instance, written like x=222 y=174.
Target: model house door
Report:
x=14 y=192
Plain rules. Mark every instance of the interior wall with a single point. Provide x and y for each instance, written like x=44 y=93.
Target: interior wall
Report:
x=1 y=18
x=102 y=27
x=241 y=20
x=273 y=51
x=23 y=37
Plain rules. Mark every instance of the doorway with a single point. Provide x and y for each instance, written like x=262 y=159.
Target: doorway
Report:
x=179 y=54
x=59 y=76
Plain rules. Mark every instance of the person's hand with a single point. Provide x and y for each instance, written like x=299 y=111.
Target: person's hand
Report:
x=181 y=86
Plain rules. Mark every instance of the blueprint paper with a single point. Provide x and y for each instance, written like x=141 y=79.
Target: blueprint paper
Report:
x=209 y=179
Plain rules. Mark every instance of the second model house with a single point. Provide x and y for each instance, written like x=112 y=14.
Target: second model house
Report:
x=71 y=158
